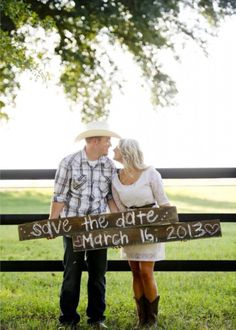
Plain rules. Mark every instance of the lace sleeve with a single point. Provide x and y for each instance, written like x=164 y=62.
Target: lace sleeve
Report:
x=117 y=200
x=158 y=188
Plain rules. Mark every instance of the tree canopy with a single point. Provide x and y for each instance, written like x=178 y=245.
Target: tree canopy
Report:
x=89 y=72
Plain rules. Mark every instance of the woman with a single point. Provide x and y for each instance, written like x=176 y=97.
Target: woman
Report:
x=137 y=186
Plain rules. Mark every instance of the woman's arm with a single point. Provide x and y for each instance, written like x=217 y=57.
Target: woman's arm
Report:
x=120 y=206
x=158 y=188
x=112 y=206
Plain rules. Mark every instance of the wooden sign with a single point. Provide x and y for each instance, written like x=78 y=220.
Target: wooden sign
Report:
x=120 y=220
x=146 y=234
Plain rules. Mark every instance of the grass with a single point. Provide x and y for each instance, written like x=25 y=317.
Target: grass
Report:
x=188 y=301
x=25 y=200
x=191 y=301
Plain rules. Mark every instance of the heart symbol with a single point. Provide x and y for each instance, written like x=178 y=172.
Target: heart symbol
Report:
x=212 y=229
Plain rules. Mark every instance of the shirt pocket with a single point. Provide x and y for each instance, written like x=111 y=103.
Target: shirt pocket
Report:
x=105 y=184
x=79 y=183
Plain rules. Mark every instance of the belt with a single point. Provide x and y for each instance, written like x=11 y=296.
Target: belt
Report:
x=141 y=207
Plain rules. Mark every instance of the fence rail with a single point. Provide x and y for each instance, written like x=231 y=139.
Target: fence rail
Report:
x=166 y=173
x=18 y=219
x=122 y=266
x=118 y=265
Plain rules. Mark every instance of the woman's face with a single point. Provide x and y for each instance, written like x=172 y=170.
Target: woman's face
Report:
x=117 y=154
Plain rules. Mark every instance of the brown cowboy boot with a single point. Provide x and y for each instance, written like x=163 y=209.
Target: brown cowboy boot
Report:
x=152 y=312
x=141 y=311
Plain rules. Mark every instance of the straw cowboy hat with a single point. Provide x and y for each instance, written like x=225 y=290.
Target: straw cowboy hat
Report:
x=98 y=128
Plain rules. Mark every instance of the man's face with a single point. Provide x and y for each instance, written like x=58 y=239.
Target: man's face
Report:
x=103 y=145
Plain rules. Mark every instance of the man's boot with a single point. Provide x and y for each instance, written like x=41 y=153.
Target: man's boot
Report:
x=141 y=311
x=152 y=312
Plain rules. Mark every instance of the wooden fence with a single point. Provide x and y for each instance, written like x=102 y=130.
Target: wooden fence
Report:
x=118 y=265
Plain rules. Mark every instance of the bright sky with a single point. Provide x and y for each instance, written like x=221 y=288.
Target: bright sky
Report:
x=198 y=132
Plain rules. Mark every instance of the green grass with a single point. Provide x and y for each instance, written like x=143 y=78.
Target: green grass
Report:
x=25 y=200
x=191 y=301
x=208 y=199
x=185 y=304
x=190 y=198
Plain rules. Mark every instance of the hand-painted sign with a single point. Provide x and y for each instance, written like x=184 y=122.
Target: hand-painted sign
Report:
x=138 y=226
x=98 y=239
x=71 y=225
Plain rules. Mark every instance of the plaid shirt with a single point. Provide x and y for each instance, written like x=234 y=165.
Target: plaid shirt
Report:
x=83 y=188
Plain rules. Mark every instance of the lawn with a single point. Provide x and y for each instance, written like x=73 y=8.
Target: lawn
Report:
x=191 y=300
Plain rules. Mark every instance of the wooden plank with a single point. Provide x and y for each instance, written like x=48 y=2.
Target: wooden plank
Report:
x=68 y=226
x=146 y=234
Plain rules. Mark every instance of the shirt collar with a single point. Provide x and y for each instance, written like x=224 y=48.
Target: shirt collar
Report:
x=84 y=158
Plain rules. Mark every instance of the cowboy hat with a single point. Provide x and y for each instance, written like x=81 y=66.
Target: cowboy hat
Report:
x=98 y=128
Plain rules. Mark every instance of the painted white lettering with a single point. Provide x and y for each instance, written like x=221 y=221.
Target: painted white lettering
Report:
x=93 y=223
x=116 y=239
x=96 y=223
x=171 y=230
x=190 y=231
x=86 y=224
x=78 y=242
x=148 y=237
x=212 y=229
x=124 y=239
x=184 y=232
x=120 y=222
x=131 y=216
x=65 y=224
x=46 y=228
x=198 y=230
x=37 y=231
x=103 y=223
x=140 y=216
x=142 y=235
x=98 y=239
x=55 y=226
x=88 y=240
x=150 y=217
x=106 y=238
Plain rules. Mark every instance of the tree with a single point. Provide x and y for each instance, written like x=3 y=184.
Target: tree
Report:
x=140 y=27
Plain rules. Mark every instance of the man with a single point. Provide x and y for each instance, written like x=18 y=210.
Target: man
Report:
x=82 y=187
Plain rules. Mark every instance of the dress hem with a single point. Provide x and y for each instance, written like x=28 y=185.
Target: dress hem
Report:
x=135 y=259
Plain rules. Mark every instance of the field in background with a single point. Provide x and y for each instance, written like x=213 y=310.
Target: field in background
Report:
x=191 y=301
x=200 y=196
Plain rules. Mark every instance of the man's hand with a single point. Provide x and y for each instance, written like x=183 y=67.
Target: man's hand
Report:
x=55 y=211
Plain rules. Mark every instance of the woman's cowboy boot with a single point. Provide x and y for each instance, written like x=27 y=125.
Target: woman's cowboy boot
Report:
x=152 y=312
x=141 y=311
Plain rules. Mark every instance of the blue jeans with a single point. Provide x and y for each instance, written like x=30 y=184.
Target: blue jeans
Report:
x=96 y=261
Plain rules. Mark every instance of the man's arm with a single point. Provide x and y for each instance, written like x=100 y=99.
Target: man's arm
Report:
x=55 y=210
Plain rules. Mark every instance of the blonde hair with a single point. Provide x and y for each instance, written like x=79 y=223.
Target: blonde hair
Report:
x=131 y=153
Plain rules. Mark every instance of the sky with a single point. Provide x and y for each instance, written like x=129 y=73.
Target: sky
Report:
x=198 y=132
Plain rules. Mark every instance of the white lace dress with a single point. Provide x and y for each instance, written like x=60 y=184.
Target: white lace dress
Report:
x=146 y=190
